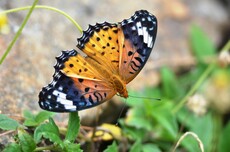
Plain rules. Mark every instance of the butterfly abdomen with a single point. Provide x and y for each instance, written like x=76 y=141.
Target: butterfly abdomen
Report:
x=120 y=86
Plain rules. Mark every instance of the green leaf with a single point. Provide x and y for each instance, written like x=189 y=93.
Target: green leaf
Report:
x=136 y=98
x=204 y=129
x=223 y=145
x=49 y=131
x=73 y=126
x=190 y=144
x=7 y=123
x=35 y=120
x=132 y=132
x=12 y=148
x=170 y=86
x=28 y=115
x=187 y=80
x=26 y=142
x=162 y=114
x=139 y=122
x=30 y=123
x=132 y=101
x=150 y=147
x=71 y=147
x=202 y=126
x=201 y=44
x=29 y=119
x=43 y=115
x=136 y=147
x=137 y=118
x=112 y=148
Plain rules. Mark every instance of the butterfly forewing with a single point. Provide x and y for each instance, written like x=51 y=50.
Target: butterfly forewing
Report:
x=102 y=45
x=137 y=38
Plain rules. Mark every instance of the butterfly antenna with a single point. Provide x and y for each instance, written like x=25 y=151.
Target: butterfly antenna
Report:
x=122 y=110
x=158 y=99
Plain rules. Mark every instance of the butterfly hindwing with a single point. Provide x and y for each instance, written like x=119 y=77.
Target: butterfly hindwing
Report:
x=72 y=92
x=137 y=38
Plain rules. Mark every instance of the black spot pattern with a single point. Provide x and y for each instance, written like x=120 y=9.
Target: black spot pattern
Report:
x=62 y=89
x=140 y=30
x=130 y=53
x=90 y=31
x=80 y=80
x=71 y=65
x=87 y=89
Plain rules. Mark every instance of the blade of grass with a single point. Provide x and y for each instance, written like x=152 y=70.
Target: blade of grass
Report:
x=202 y=78
x=19 y=31
x=26 y=19
x=194 y=136
x=51 y=147
x=45 y=7
x=226 y=47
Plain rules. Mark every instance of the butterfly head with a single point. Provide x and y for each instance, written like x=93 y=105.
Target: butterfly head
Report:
x=124 y=93
x=119 y=85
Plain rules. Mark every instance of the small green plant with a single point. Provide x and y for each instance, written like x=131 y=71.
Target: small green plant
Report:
x=37 y=131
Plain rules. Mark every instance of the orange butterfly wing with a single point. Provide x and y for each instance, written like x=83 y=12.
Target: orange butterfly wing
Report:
x=74 y=87
x=102 y=46
x=137 y=37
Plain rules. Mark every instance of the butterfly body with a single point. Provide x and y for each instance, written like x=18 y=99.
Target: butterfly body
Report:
x=113 y=55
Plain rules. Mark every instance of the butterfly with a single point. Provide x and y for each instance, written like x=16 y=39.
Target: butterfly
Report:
x=112 y=54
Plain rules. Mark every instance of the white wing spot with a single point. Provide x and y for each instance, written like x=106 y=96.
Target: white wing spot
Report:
x=129 y=20
x=139 y=30
x=49 y=96
x=69 y=107
x=59 y=94
x=65 y=101
x=149 y=18
x=53 y=83
x=150 y=42
x=145 y=34
x=133 y=28
x=60 y=88
x=151 y=28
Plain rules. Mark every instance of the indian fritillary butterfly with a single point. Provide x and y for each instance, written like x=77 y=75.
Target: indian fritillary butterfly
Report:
x=114 y=54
